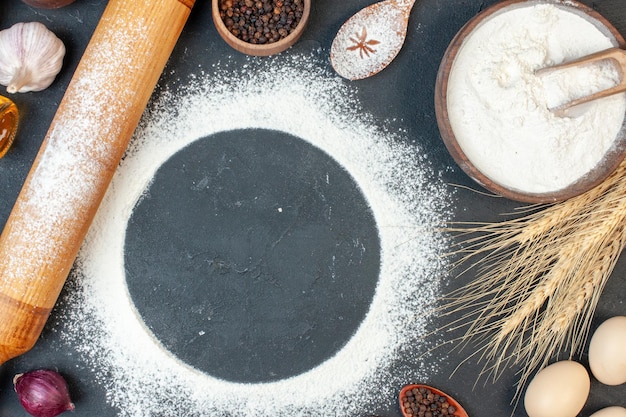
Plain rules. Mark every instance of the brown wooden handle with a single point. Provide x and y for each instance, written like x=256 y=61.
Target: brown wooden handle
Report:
x=86 y=140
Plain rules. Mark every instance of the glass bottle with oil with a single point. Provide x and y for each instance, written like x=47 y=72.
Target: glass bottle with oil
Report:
x=8 y=124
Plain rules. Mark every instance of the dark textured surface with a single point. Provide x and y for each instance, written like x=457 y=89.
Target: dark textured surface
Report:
x=402 y=96
x=261 y=257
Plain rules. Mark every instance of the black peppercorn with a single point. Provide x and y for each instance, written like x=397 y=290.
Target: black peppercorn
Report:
x=422 y=402
x=261 y=21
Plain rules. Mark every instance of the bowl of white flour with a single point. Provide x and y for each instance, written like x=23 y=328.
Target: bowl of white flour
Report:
x=493 y=110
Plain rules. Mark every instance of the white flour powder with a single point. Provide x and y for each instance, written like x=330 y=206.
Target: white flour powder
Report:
x=499 y=108
x=369 y=41
x=407 y=199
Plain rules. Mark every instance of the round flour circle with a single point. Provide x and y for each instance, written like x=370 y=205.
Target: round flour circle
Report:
x=252 y=256
x=408 y=202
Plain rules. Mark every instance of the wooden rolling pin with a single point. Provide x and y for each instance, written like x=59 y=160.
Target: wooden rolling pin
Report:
x=85 y=143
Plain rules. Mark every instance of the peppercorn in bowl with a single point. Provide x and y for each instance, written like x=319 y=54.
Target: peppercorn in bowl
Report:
x=261 y=27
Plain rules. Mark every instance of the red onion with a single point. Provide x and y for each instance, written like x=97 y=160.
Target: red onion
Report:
x=48 y=4
x=43 y=393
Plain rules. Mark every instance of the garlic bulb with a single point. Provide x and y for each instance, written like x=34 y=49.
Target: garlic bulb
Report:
x=31 y=56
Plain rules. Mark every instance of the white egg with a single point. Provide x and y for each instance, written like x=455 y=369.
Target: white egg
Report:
x=610 y=412
x=558 y=390
x=607 y=351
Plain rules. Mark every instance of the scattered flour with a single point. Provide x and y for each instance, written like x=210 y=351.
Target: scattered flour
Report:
x=142 y=378
x=499 y=107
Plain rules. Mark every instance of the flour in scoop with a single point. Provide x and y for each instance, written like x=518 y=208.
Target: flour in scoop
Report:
x=408 y=200
x=499 y=109
x=368 y=41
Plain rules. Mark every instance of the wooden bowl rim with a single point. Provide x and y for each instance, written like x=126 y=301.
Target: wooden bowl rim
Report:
x=609 y=163
x=460 y=411
x=255 y=49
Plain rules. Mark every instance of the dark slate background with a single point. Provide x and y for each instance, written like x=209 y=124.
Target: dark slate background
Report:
x=402 y=95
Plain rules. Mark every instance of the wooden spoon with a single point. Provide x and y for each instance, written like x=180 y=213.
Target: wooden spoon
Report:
x=368 y=41
x=406 y=392
x=616 y=55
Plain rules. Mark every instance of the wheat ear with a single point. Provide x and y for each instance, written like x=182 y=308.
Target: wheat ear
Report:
x=538 y=278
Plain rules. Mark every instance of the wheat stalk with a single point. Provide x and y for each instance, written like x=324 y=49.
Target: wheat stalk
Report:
x=538 y=279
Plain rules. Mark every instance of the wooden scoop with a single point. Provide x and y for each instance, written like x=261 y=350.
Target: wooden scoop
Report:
x=368 y=41
x=86 y=140
x=616 y=55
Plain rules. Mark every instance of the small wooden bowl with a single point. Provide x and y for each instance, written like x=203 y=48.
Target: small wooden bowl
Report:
x=255 y=49
x=460 y=411
x=610 y=162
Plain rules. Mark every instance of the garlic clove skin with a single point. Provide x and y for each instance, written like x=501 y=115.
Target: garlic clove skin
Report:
x=31 y=56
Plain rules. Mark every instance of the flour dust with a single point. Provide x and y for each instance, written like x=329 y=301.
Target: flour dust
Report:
x=408 y=200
